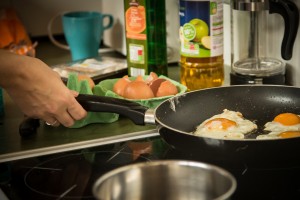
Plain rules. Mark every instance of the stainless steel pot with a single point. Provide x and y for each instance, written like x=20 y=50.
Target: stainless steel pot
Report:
x=167 y=180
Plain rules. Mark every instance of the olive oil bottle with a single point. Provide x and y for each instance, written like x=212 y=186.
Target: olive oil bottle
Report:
x=201 y=38
x=146 y=44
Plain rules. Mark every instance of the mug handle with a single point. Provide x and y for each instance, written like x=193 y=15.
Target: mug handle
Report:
x=110 y=22
x=50 y=35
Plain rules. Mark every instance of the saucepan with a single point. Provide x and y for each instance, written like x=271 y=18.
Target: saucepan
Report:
x=177 y=117
x=169 y=179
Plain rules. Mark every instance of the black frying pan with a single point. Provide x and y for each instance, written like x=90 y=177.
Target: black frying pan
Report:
x=179 y=116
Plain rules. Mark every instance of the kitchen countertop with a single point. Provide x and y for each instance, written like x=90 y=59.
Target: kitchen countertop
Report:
x=49 y=140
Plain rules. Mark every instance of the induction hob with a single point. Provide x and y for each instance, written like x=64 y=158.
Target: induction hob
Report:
x=71 y=175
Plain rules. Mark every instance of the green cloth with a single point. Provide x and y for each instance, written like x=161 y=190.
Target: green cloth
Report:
x=105 y=88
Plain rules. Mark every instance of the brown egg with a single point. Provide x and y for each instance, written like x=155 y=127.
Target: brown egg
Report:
x=139 y=78
x=154 y=85
x=82 y=77
x=120 y=85
x=138 y=90
x=166 y=88
x=152 y=77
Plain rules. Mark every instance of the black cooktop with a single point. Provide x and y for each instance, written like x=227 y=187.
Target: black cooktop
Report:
x=71 y=175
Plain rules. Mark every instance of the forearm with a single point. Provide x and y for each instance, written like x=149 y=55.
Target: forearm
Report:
x=17 y=71
x=12 y=69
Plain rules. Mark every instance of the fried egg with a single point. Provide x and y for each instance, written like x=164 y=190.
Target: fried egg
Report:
x=284 y=125
x=227 y=125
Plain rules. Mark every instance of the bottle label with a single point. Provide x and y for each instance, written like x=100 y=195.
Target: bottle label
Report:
x=201 y=28
x=136 y=36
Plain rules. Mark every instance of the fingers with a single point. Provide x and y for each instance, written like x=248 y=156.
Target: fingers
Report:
x=76 y=111
x=66 y=119
x=52 y=122
x=75 y=93
x=72 y=113
x=67 y=113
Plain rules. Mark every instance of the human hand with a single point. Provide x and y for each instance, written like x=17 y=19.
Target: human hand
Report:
x=40 y=93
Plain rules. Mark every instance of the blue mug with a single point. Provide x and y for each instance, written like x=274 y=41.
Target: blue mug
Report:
x=83 y=31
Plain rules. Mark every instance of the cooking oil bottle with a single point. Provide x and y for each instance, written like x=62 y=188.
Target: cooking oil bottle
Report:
x=146 y=43
x=201 y=38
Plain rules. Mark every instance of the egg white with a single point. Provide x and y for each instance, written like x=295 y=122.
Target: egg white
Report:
x=243 y=127
x=271 y=135
x=275 y=128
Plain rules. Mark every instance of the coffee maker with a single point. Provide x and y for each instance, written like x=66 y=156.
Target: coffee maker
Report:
x=251 y=62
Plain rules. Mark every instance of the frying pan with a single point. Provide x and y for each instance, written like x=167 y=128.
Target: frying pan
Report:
x=178 y=116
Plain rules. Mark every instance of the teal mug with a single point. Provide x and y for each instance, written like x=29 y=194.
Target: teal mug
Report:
x=83 y=31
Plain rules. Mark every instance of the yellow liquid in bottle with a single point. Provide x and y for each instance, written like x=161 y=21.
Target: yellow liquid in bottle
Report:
x=200 y=73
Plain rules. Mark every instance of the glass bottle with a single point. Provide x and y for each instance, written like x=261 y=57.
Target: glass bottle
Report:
x=201 y=50
x=146 y=43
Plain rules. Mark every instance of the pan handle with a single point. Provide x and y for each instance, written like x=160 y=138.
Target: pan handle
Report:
x=130 y=109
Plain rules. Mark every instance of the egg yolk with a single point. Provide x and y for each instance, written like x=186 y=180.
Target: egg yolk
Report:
x=289 y=134
x=220 y=124
x=287 y=119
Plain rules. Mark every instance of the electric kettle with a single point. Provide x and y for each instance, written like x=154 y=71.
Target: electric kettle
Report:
x=252 y=62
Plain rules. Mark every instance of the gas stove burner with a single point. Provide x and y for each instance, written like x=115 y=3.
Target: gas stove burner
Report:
x=72 y=176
